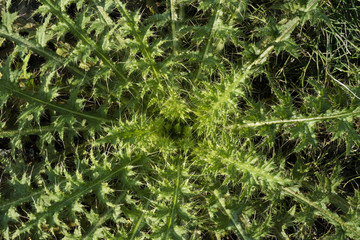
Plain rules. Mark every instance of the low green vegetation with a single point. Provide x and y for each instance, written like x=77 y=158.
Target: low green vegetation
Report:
x=179 y=119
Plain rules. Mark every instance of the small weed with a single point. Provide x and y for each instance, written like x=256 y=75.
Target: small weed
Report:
x=179 y=119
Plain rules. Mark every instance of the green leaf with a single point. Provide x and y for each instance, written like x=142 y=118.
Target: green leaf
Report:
x=344 y=130
x=7 y=20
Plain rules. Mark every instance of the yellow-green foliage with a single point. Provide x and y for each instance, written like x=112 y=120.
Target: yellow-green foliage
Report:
x=179 y=119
